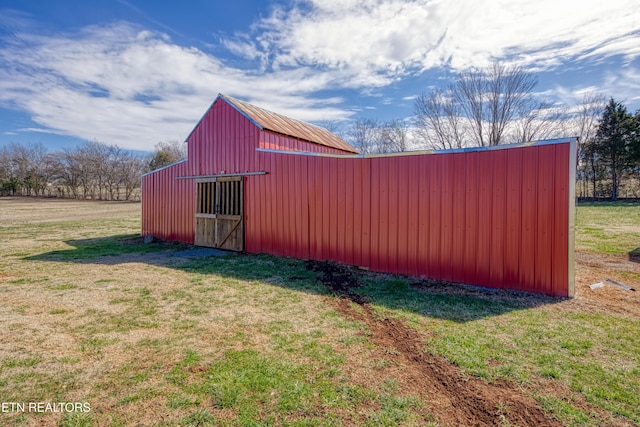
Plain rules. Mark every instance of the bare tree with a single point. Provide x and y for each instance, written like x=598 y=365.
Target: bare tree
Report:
x=115 y=157
x=479 y=108
x=585 y=122
x=394 y=137
x=365 y=135
x=336 y=127
x=71 y=173
x=438 y=121
x=91 y=170
x=543 y=121
x=8 y=180
x=131 y=169
x=27 y=166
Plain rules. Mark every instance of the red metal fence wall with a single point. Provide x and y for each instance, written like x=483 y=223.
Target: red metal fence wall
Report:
x=498 y=218
x=168 y=204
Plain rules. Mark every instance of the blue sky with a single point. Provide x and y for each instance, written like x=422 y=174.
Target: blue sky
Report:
x=136 y=72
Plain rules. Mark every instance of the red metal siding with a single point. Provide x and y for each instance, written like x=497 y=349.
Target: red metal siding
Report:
x=274 y=141
x=224 y=140
x=168 y=204
x=496 y=218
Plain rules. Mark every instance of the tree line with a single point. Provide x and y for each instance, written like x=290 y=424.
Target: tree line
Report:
x=610 y=155
x=481 y=107
x=92 y=170
x=497 y=105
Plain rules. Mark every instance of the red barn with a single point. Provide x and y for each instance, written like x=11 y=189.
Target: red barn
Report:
x=260 y=182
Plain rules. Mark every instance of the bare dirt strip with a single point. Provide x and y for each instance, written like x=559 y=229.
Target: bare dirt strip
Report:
x=452 y=397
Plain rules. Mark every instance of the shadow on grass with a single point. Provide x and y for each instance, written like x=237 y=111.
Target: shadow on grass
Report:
x=634 y=255
x=455 y=302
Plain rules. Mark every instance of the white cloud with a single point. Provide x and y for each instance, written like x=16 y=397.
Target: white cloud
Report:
x=122 y=85
x=125 y=85
x=375 y=42
x=622 y=84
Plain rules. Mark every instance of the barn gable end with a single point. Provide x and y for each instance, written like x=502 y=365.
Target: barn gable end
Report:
x=225 y=138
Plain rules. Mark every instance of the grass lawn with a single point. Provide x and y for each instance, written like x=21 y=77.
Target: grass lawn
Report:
x=144 y=334
x=609 y=228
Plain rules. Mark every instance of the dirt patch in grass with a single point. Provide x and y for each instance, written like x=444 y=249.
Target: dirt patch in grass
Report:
x=592 y=268
x=455 y=399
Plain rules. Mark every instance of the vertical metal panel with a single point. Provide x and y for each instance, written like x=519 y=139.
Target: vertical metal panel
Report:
x=560 y=254
x=334 y=190
x=432 y=259
x=340 y=202
x=571 y=185
x=424 y=220
x=315 y=208
x=544 y=217
x=413 y=216
x=446 y=216
x=278 y=214
x=364 y=170
x=378 y=219
x=498 y=217
x=458 y=216
x=528 y=227
x=401 y=220
x=471 y=217
x=268 y=200
x=325 y=252
x=302 y=208
x=387 y=184
x=513 y=217
x=348 y=219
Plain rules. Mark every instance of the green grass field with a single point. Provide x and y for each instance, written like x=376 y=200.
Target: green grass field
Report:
x=91 y=314
x=609 y=228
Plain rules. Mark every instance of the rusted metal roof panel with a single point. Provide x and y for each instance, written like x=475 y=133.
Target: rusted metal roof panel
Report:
x=275 y=122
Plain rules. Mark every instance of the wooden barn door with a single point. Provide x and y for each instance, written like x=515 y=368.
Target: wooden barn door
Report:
x=220 y=213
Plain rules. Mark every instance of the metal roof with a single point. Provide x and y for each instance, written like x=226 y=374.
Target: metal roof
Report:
x=278 y=123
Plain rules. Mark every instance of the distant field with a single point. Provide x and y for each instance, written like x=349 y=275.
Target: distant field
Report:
x=606 y=227
x=146 y=334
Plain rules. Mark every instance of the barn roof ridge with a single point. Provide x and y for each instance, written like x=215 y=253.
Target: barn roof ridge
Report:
x=279 y=123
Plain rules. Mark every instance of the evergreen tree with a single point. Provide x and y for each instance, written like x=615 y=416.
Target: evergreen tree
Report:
x=167 y=153
x=614 y=142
